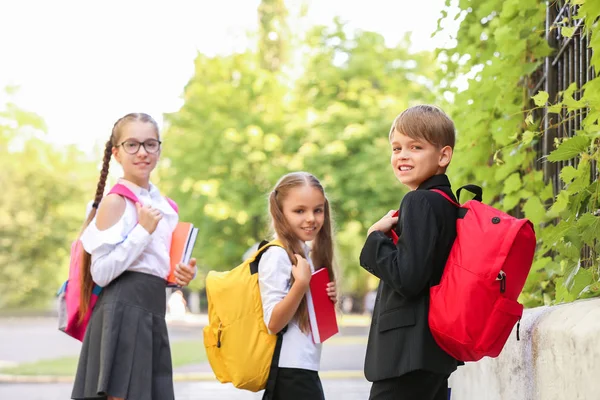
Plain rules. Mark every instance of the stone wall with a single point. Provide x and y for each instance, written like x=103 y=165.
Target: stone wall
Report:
x=557 y=358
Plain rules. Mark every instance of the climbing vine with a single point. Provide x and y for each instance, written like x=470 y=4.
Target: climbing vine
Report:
x=500 y=123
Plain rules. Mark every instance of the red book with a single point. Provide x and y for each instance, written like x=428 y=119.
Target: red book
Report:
x=182 y=244
x=392 y=233
x=321 y=310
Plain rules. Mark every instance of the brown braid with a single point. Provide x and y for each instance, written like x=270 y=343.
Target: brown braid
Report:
x=86 y=281
x=103 y=173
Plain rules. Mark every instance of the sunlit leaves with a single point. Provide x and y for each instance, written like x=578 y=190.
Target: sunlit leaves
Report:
x=541 y=98
x=45 y=191
x=570 y=148
x=499 y=133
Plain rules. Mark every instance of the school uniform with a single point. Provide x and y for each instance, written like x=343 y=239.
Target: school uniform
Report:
x=125 y=351
x=299 y=360
x=403 y=360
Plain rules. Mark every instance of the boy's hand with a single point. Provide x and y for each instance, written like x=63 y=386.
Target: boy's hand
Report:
x=185 y=273
x=148 y=217
x=301 y=272
x=385 y=224
x=332 y=291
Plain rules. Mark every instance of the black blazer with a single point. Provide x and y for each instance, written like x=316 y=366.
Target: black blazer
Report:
x=399 y=339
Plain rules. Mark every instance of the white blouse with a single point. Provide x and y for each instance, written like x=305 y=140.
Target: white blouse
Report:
x=127 y=246
x=298 y=349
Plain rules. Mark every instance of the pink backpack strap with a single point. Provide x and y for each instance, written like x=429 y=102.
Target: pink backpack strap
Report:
x=173 y=204
x=446 y=196
x=124 y=191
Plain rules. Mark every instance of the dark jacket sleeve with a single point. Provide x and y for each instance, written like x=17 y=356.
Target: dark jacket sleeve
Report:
x=408 y=266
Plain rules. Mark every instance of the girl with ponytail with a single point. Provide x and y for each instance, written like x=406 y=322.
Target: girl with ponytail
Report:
x=300 y=215
x=125 y=352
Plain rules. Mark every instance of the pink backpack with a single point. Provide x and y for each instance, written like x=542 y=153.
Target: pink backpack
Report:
x=69 y=295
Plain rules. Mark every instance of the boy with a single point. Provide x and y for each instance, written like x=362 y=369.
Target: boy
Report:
x=403 y=361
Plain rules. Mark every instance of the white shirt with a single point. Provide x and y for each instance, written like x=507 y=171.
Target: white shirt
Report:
x=274 y=278
x=127 y=246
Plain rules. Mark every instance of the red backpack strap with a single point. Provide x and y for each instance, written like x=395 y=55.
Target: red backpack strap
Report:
x=446 y=196
x=124 y=191
x=173 y=204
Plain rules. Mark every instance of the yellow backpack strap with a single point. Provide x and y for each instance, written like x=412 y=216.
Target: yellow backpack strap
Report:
x=262 y=247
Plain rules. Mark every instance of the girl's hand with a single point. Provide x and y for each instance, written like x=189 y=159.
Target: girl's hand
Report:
x=301 y=272
x=332 y=291
x=185 y=273
x=385 y=224
x=148 y=217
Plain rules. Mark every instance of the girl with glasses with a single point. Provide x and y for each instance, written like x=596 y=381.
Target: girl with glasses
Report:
x=125 y=352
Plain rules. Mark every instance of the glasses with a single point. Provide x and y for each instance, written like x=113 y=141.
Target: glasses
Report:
x=152 y=146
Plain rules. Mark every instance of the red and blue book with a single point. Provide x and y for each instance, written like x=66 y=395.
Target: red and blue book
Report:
x=182 y=244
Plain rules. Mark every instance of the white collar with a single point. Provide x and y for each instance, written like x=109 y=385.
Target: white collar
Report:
x=306 y=247
x=152 y=192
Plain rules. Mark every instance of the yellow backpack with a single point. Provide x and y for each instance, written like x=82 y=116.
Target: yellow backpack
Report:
x=238 y=345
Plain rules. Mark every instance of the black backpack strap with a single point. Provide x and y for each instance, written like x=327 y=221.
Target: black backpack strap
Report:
x=254 y=263
x=274 y=369
x=476 y=190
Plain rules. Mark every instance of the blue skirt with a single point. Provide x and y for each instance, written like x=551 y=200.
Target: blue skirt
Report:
x=125 y=351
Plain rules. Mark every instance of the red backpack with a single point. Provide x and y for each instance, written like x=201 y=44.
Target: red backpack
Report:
x=474 y=307
x=69 y=293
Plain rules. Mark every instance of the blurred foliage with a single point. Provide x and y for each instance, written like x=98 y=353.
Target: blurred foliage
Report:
x=500 y=44
x=41 y=208
x=248 y=120
x=323 y=101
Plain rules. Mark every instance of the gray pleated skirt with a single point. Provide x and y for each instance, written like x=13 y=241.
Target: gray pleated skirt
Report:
x=125 y=351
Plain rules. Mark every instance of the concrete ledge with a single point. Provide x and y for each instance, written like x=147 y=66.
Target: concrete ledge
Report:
x=557 y=358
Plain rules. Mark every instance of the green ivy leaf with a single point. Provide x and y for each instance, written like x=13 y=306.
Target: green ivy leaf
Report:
x=568 y=173
x=570 y=148
x=562 y=293
x=582 y=180
x=512 y=183
x=561 y=204
x=568 y=99
x=552 y=234
x=567 y=31
x=534 y=210
x=498 y=158
x=589 y=226
x=528 y=137
x=525 y=194
x=555 y=108
x=529 y=119
x=582 y=279
x=592 y=290
x=541 y=98
x=510 y=201
x=547 y=192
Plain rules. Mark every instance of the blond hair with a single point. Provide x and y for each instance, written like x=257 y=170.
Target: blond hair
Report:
x=322 y=253
x=425 y=122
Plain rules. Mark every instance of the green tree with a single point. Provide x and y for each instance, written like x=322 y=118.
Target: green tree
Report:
x=274 y=34
x=500 y=44
x=224 y=146
x=353 y=87
x=41 y=209
x=245 y=122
